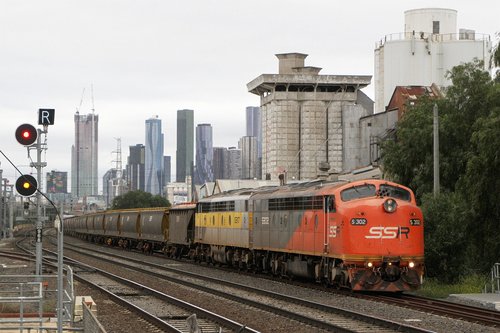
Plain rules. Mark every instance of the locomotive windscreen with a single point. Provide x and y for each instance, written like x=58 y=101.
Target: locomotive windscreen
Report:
x=357 y=192
x=394 y=192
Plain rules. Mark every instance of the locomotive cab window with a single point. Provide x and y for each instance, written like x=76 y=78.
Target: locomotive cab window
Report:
x=358 y=192
x=394 y=192
x=330 y=203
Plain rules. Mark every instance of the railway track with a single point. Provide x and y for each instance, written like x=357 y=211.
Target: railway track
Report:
x=167 y=313
x=450 y=309
x=315 y=314
x=403 y=302
x=439 y=307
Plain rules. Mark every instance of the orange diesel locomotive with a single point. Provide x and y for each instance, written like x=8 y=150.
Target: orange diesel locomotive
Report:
x=364 y=235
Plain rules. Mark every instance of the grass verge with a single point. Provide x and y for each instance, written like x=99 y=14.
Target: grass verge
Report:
x=471 y=284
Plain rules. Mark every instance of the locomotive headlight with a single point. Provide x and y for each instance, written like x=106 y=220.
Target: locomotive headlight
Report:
x=390 y=205
x=411 y=264
x=369 y=264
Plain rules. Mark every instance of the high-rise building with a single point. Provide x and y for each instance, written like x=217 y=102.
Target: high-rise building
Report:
x=135 y=168
x=233 y=158
x=108 y=186
x=306 y=118
x=220 y=163
x=167 y=170
x=204 y=154
x=249 y=157
x=57 y=182
x=185 y=144
x=84 y=179
x=153 y=156
x=254 y=126
x=427 y=49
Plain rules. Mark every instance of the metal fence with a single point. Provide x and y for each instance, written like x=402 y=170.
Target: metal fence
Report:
x=494 y=285
x=29 y=302
x=427 y=36
x=90 y=322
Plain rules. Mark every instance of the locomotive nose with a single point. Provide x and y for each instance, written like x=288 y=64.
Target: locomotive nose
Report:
x=390 y=269
x=392 y=273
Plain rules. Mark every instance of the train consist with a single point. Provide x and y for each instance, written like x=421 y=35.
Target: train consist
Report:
x=364 y=235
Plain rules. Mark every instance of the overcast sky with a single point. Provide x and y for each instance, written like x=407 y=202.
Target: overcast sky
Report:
x=153 y=57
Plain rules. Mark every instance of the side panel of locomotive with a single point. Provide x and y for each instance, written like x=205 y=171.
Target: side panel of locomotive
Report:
x=287 y=223
x=223 y=222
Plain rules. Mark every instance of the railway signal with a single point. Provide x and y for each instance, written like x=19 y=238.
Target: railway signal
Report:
x=26 y=134
x=26 y=185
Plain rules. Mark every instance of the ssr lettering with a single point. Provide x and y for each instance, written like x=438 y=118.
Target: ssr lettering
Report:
x=388 y=232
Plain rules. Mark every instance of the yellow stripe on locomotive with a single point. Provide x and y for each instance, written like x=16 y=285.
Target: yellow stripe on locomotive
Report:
x=223 y=228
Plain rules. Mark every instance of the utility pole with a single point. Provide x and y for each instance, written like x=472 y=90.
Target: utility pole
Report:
x=60 y=273
x=436 y=149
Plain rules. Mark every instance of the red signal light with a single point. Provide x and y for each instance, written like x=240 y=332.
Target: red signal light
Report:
x=26 y=134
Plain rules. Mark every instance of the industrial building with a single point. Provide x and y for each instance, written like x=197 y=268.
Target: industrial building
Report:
x=308 y=119
x=428 y=48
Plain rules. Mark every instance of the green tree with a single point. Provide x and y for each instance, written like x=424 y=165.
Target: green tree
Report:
x=480 y=187
x=445 y=235
x=139 y=199
x=407 y=158
x=462 y=224
x=467 y=100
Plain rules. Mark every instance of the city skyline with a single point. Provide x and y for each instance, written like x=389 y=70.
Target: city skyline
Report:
x=135 y=76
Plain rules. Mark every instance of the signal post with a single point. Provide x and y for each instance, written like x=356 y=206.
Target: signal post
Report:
x=27 y=185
